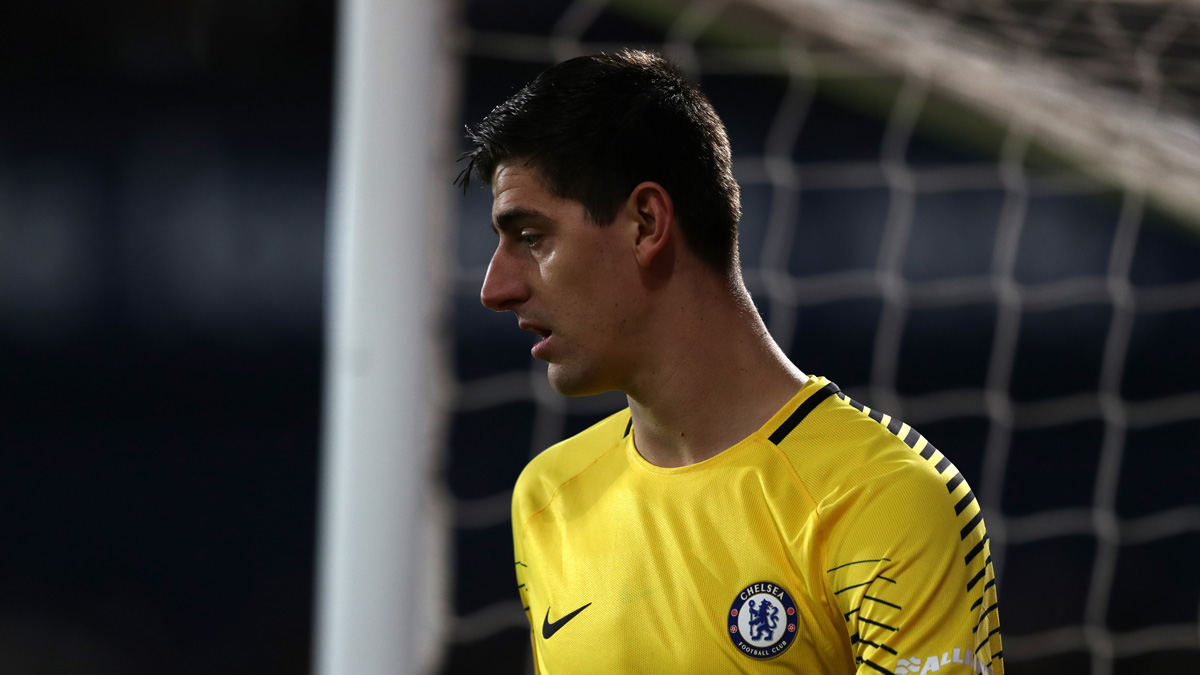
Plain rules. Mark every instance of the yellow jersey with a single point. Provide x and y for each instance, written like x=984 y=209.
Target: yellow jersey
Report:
x=835 y=539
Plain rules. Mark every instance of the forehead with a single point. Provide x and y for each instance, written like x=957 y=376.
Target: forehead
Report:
x=518 y=187
x=516 y=180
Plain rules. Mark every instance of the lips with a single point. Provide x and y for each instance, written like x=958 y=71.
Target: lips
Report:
x=539 y=349
x=542 y=331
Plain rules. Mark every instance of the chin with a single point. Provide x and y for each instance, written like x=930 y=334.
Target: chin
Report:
x=575 y=381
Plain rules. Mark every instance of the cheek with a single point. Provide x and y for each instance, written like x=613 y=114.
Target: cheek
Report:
x=577 y=275
x=593 y=287
x=614 y=305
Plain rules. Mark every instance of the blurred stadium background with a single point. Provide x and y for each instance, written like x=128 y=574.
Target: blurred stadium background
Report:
x=980 y=216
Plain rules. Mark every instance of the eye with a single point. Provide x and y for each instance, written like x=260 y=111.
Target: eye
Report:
x=530 y=238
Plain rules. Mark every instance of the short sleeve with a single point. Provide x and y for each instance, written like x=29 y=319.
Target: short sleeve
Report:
x=522 y=572
x=909 y=567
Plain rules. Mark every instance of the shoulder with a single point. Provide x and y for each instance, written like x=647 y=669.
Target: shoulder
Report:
x=904 y=542
x=841 y=444
x=565 y=462
x=878 y=480
x=853 y=458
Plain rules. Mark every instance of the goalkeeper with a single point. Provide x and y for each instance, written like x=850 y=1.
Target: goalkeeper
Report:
x=739 y=515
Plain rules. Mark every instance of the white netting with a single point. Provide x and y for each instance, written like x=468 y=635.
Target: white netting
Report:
x=937 y=52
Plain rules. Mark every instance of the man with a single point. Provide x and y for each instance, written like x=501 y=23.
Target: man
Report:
x=740 y=515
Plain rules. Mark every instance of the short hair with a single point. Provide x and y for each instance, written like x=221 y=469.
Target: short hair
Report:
x=595 y=127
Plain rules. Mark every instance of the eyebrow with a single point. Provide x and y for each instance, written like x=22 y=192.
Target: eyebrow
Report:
x=509 y=218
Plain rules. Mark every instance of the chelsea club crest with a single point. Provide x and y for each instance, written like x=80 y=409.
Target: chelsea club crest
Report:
x=763 y=620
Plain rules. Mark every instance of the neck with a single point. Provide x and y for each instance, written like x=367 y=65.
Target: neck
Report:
x=715 y=376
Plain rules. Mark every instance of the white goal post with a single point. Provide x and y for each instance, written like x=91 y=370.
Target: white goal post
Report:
x=381 y=589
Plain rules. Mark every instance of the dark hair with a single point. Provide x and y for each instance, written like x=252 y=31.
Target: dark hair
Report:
x=594 y=127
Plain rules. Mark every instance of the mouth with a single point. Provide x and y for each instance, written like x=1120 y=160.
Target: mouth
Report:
x=542 y=332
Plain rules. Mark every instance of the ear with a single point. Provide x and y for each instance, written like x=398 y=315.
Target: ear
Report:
x=654 y=215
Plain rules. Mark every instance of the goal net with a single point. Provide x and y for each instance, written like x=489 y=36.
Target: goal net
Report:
x=979 y=216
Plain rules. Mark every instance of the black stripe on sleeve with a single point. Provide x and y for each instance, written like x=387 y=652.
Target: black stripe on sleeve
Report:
x=952 y=484
x=878 y=646
x=857 y=406
x=911 y=439
x=879 y=668
x=894 y=425
x=882 y=602
x=983 y=616
x=805 y=408
x=978 y=577
x=942 y=464
x=628 y=427
x=876 y=415
x=865 y=641
x=928 y=451
x=987 y=639
x=964 y=502
x=865 y=583
x=975 y=551
x=858 y=562
x=863 y=619
x=973 y=524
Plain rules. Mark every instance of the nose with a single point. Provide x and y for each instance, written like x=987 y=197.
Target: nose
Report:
x=503 y=288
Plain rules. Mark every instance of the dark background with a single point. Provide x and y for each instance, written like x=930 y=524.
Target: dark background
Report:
x=162 y=193
x=163 y=175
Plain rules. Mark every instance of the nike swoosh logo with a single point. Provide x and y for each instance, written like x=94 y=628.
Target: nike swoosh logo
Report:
x=550 y=628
